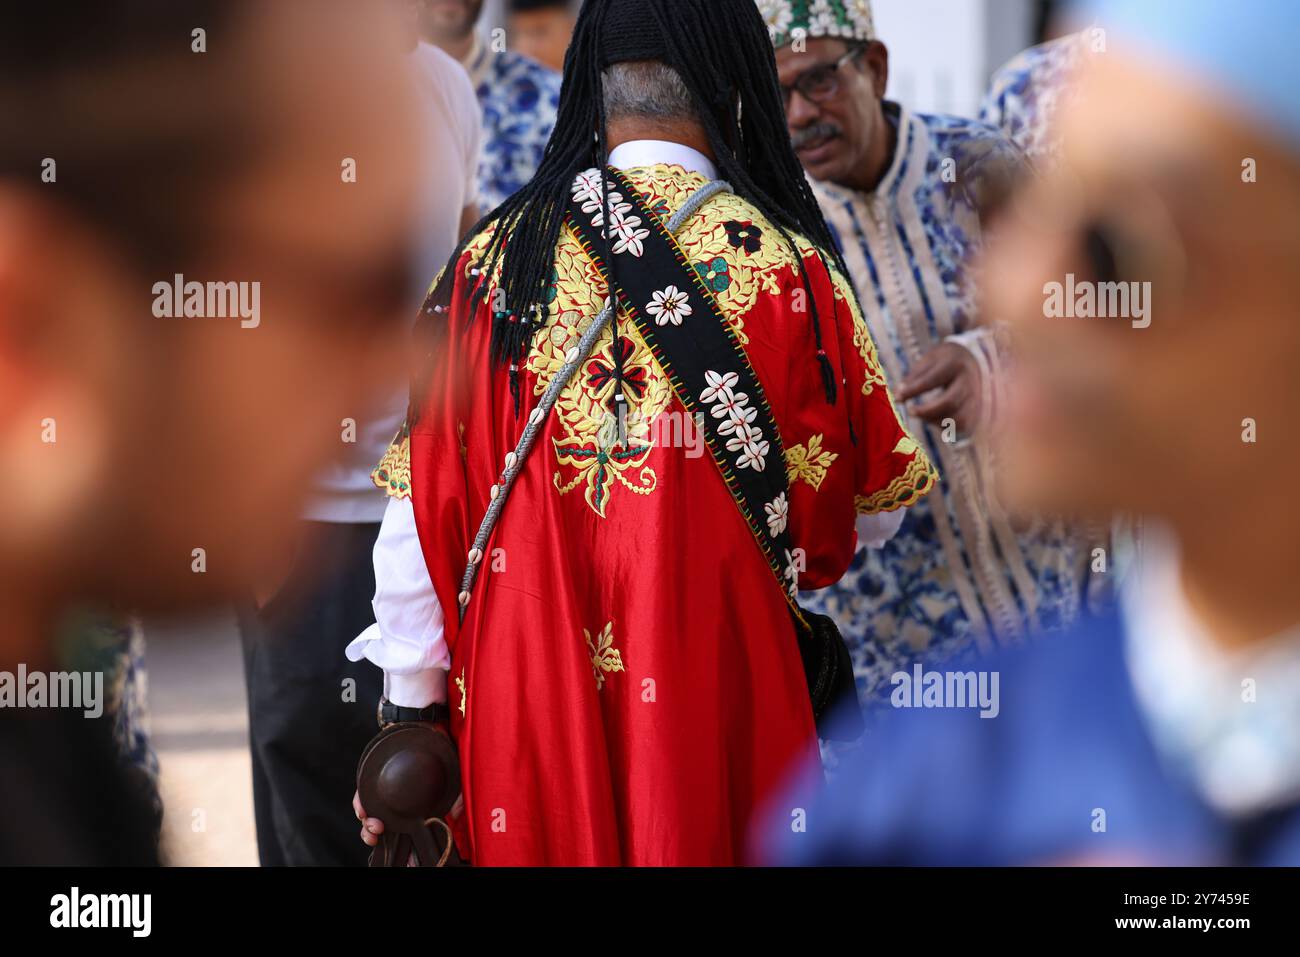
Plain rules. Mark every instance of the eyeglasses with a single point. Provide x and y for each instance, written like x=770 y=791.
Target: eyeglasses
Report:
x=821 y=82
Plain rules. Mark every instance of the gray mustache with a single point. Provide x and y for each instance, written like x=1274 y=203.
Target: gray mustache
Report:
x=815 y=132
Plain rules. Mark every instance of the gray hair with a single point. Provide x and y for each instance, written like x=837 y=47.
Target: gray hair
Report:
x=646 y=89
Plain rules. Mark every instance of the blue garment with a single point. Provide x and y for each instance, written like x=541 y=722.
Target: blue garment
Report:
x=1026 y=94
x=944 y=786
x=519 y=98
x=958 y=569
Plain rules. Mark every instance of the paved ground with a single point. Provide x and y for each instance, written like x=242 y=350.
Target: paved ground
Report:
x=200 y=729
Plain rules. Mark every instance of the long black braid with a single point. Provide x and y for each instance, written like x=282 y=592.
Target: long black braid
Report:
x=722 y=52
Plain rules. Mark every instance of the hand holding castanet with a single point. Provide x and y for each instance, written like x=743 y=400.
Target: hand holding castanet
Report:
x=408 y=779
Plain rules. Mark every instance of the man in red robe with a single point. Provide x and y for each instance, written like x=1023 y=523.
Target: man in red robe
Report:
x=625 y=685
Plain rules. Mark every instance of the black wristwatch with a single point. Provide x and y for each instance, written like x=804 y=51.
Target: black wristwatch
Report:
x=390 y=713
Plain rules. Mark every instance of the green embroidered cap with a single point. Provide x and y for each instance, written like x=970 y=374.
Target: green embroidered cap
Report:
x=847 y=19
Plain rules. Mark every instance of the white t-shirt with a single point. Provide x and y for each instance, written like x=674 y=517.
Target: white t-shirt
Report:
x=343 y=492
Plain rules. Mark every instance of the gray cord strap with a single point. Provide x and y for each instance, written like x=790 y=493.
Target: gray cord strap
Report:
x=575 y=357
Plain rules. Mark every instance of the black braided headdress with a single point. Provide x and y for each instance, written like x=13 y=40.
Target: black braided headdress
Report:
x=722 y=52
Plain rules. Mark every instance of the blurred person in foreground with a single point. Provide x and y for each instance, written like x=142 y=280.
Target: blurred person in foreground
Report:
x=905 y=194
x=304 y=730
x=541 y=29
x=153 y=447
x=1169 y=731
x=627 y=682
x=1025 y=99
x=517 y=95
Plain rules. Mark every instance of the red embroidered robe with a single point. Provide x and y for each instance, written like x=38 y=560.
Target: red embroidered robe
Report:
x=626 y=686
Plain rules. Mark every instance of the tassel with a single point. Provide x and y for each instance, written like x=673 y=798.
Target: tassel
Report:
x=828 y=376
x=828 y=373
x=621 y=401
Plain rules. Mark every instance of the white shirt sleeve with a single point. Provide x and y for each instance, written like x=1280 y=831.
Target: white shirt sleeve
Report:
x=875 y=530
x=407 y=639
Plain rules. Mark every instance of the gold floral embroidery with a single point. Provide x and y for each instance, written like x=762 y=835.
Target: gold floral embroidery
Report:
x=750 y=269
x=588 y=448
x=906 y=445
x=808 y=463
x=738 y=266
x=604 y=656
x=460 y=686
x=393 y=473
x=442 y=271
x=748 y=272
x=917 y=480
x=601 y=466
x=872 y=373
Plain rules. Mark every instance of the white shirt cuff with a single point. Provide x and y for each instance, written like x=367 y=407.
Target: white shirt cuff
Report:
x=418 y=690
x=877 y=529
x=407 y=639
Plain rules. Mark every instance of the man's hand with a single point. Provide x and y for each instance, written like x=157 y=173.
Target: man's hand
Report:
x=371 y=827
x=952 y=369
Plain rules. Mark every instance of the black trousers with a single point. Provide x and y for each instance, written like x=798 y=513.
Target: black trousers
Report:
x=310 y=710
x=69 y=798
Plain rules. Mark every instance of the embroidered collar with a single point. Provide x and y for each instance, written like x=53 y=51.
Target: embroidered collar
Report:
x=897 y=116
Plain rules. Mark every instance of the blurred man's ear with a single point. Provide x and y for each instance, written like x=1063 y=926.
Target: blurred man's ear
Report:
x=875 y=60
x=56 y=352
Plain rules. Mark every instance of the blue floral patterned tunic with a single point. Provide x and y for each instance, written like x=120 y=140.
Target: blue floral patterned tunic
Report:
x=519 y=98
x=1026 y=93
x=958 y=573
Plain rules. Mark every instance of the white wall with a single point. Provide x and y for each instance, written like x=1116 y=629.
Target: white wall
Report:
x=943 y=51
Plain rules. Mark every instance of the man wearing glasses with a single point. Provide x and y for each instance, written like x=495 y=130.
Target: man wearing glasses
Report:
x=1166 y=732
x=904 y=194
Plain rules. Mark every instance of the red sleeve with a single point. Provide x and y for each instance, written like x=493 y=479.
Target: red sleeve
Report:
x=850 y=457
x=445 y=498
x=892 y=468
